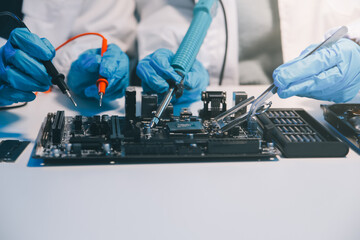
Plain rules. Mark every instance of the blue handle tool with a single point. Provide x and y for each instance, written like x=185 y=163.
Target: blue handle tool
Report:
x=185 y=56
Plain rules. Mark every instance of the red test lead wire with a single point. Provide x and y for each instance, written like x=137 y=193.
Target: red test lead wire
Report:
x=102 y=82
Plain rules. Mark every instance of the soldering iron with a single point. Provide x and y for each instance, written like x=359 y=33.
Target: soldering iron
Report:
x=185 y=56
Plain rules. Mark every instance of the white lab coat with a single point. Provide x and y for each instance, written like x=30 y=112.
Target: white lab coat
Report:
x=305 y=22
x=163 y=23
x=58 y=20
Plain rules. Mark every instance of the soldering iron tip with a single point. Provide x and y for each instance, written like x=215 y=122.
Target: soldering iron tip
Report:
x=152 y=124
x=100 y=99
x=72 y=100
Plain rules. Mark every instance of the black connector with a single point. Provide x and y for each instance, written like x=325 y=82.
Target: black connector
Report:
x=130 y=103
x=58 y=127
x=238 y=97
x=214 y=103
x=148 y=105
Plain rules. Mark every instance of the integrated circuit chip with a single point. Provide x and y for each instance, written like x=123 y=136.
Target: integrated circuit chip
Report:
x=185 y=127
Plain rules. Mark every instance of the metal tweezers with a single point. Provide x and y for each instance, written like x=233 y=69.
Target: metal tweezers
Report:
x=270 y=91
x=258 y=105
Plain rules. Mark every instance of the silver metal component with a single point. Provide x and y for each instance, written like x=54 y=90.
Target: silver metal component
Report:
x=101 y=95
x=164 y=104
x=226 y=126
x=270 y=145
x=69 y=95
x=68 y=147
x=234 y=109
x=147 y=129
x=55 y=152
x=219 y=120
x=154 y=122
x=107 y=148
x=233 y=123
x=269 y=92
x=252 y=125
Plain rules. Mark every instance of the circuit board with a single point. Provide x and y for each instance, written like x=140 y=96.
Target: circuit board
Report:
x=345 y=118
x=104 y=139
x=115 y=139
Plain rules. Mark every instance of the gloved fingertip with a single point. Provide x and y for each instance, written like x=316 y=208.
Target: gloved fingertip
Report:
x=8 y=51
x=197 y=77
x=114 y=68
x=91 y=91
x=164 y=51
x=113 y=49
x=162 y=57
x=51 y=53
x=29 y=97
x=16 y=96
x=277 y=81
x=31 y=43
x=191 y=81
x=284 y=76
x=88 y=62
x=42 y=88
x=284 y=94
x=19 y=33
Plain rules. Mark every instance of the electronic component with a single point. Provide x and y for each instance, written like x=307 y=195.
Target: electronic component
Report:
x=115 y=139
x=130 y=103
x=185 y=127
x=78 y=123
x=345 y=118
x=185 y=138
x=148 y=105
x=214 y=104
x=238 y=97
x=10 y=150
x=58 y=127
x=297 y=134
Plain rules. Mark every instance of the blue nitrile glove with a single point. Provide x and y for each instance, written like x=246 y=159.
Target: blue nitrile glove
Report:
x=21 y=71
x=331 y=74
x=85 y=71
x=156 y=68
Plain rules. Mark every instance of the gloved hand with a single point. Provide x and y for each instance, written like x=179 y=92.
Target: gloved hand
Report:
x=85 y=71
x=156 y=68
x=21 y=71
x=331 y=74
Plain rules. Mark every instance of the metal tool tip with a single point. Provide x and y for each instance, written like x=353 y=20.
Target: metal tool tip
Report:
x=75 y=104
x=100 y=98
x=72 y=100
x=152 y=123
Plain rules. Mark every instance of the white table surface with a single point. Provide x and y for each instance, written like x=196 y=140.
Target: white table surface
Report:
x=289 y=199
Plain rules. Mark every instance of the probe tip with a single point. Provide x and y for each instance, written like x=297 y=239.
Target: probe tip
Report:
x=72 y=100
x=100 y=99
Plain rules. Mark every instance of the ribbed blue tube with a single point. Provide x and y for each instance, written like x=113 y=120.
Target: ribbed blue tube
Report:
x=190 y=45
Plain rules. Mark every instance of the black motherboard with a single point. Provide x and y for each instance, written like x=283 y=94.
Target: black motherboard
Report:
x=104 y=139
